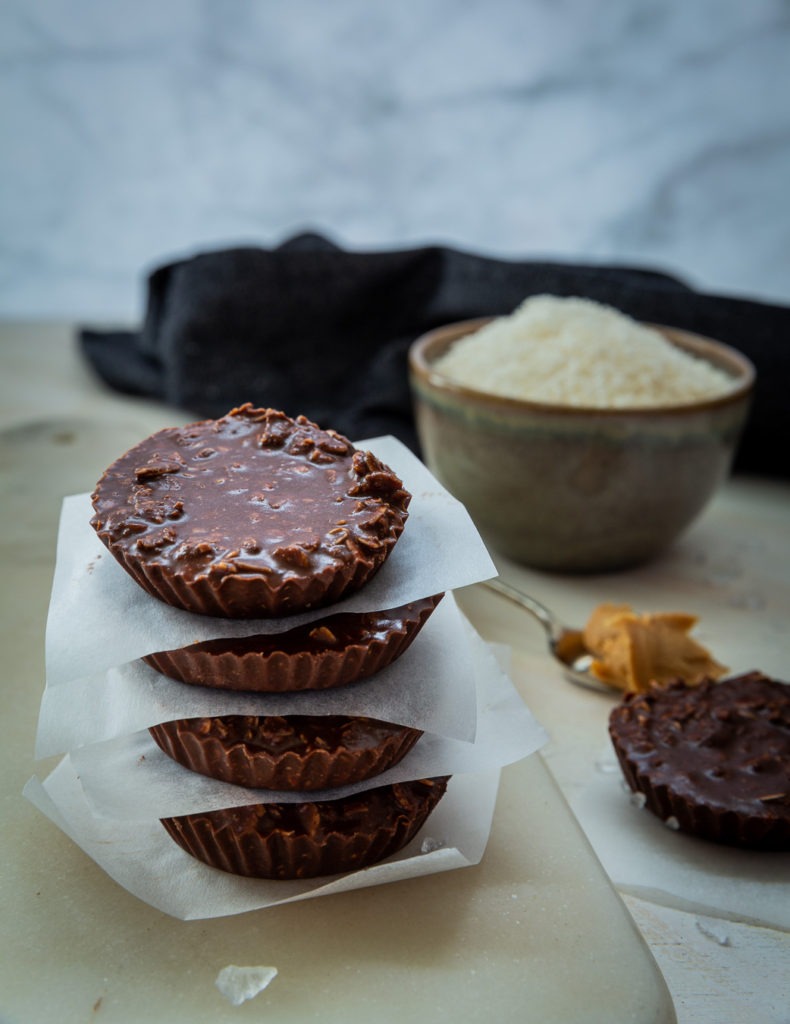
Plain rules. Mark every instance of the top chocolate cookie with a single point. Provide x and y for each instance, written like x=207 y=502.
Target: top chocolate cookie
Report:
x=252 y=515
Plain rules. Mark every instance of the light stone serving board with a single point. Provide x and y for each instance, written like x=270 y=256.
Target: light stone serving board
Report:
x=534 y=933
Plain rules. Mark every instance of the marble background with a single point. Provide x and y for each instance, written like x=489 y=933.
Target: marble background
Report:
x=654 y=132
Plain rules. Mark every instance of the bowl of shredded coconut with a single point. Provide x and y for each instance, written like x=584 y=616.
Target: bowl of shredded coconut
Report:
x=579 y=439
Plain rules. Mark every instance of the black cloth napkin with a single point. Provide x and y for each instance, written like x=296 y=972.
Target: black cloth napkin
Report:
x=311 y=328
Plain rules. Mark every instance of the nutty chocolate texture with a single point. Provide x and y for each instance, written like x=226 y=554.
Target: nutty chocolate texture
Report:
x=303 y=840
x=334 y=651
x=288 y=753
x=713 y=758
x=301 y=734
x=253 y=514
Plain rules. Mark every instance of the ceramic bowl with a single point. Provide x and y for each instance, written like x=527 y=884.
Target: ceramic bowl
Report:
x=572 y=489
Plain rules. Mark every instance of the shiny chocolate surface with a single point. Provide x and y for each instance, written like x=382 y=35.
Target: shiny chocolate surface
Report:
x=722 y=749
x=255 y=496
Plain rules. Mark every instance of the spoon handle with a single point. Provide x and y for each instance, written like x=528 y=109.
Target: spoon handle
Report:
x=566 y=645
x=554 y=628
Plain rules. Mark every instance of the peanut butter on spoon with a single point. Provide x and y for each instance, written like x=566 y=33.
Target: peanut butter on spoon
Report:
x=630 y=650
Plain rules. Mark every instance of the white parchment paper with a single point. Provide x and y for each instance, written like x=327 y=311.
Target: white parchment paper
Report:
x=643 y=856
x=100 y=699
x=430 y=687
x=131 y=778
x=440 y=549
x=142 y=858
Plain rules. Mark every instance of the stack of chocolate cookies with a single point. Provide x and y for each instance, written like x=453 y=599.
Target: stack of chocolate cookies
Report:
x=260 y=516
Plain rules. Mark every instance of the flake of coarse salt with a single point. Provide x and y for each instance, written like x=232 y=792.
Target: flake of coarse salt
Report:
x=711 y=930
x=238 y=984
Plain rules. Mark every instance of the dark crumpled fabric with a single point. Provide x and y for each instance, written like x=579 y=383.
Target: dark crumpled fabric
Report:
x=311 y=328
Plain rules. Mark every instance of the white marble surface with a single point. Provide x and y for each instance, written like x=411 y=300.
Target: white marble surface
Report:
x=647 y=131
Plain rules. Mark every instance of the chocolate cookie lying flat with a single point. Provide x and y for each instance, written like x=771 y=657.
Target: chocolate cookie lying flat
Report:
x=713 y=759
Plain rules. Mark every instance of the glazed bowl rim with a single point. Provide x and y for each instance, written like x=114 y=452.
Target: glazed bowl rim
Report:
x=422 y=369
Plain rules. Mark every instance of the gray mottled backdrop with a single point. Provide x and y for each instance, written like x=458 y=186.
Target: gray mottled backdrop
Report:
x=617 y=130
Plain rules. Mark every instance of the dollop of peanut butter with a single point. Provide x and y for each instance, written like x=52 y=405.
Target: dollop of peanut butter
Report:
x=631 y=650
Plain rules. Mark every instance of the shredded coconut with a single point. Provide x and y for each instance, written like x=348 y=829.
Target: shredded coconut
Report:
x=580 y=353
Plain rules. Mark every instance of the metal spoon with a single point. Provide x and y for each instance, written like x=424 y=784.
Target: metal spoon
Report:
x=565 y=644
